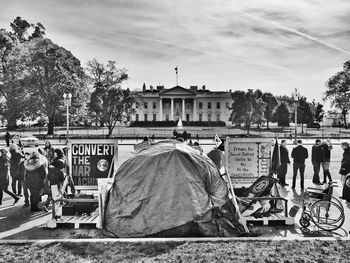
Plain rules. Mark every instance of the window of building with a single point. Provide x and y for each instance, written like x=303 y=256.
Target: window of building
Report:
x=200 y=105
x=137 y=117
x=227 y=105
x=177 y=105
x=167 y=105
x=145 y=104
x=187 y=117
x=209 y=105
x=154 y=105
x=218 y=117
x=154 y=117
x=209 y=117
x=167 y=117
x=145 y=117
x=218 y=105
x=188 y=105
x=200 y=117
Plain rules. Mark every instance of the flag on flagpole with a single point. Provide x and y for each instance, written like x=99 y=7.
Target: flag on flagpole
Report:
x=217 y=140
x=276 y=158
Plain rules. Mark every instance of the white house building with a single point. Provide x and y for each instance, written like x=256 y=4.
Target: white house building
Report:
x=189 y=104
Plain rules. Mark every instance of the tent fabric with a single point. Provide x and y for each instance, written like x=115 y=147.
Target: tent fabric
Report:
x=161 y=188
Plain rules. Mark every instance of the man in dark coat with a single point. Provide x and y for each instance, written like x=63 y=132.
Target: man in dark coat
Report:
x=7 y=138
x=15 y=169
x=299 y=155
x=284 y=157
x=345 y=170
x=317 y=157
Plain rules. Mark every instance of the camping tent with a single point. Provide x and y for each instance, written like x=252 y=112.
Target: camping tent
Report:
x=169 y=190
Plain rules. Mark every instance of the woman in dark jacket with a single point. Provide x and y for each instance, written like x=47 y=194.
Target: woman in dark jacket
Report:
x=35 y=176
x=15 y=169
x=4 y=175
x=345 y=170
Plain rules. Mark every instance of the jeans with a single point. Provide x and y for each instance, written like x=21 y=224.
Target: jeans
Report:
x=7 y=192
x=317 y=168
x=326 y=173
x=301 y=168
x=19 y=186
x=25 y=193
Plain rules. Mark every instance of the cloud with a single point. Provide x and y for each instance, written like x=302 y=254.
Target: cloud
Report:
x=272 y=45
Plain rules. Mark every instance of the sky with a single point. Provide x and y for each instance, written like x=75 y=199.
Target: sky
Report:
x=272 y=45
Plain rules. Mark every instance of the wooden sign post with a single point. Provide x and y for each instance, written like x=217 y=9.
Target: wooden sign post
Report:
x=247 y=159
x=90 y=160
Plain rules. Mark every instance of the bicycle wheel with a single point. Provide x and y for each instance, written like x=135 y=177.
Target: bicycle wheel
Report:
x=327 y=215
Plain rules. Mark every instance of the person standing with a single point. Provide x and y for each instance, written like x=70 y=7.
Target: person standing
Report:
x=299 y=155
x=284 y=157
x=7 y=138
x=4 y=176
x=15 y=169
x=35 y=176
x=345 y=170
x=49 y=151
x=327 y=148
x=317 y=157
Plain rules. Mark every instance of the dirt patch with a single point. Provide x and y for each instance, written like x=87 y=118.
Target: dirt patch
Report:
x=245 y=251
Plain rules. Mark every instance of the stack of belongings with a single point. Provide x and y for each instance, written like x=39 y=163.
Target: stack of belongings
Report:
x=170 y=190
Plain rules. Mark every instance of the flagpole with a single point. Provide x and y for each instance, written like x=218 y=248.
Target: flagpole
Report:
x=177 y=76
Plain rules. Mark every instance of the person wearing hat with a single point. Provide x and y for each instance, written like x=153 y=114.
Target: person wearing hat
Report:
x=299 y=155
x=4 y=175
x=35 y=176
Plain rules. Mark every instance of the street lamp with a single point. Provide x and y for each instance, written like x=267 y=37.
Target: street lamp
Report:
x=67 y=99
x=296 y=97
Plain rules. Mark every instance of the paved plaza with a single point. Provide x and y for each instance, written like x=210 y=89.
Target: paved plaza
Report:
x=19 y=223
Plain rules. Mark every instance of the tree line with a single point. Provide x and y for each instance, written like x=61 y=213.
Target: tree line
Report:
x=35 y=72
x=255 y=107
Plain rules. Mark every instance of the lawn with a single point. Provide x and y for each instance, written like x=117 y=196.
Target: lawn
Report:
x=226 y=251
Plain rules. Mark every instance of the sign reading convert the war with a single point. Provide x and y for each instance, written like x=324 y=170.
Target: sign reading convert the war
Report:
x=92 y=159
x=247 y=160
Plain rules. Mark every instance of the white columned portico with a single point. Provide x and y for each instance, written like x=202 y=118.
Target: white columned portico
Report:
x=161 y=109
x=194 y=110
x=183 y=110
x=172 y=109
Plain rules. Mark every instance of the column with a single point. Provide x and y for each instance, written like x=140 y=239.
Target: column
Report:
x=194 y=110
x=172 y=109
x=161 y=109
x=183 y=110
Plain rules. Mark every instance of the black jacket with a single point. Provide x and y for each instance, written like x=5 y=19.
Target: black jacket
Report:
x=327 y=152
x=317 y=155
x=284 y=155
x=299 y=154
x=345 y=163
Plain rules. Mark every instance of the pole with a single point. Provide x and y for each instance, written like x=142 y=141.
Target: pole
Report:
x=177 y=76
x=296 y=123
x=67 y=101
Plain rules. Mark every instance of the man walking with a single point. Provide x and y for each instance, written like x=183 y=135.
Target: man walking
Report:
x=317 y=157
x=299 y=155
x=284 y=157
